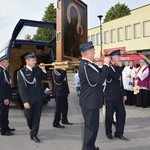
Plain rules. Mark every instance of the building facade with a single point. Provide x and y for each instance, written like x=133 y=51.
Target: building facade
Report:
x=130 y=33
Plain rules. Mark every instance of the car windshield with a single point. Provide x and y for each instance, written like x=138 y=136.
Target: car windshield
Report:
x=33 y=33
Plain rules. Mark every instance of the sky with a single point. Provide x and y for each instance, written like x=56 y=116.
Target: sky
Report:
x=11 y=11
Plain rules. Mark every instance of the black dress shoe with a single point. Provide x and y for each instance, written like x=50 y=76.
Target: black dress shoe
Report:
x=109 y=136
x=67 y=123
x=97 y=148
x=8 y=133
x=11 y=129
x=35 y=139
x=121 y=137
x=58 y=126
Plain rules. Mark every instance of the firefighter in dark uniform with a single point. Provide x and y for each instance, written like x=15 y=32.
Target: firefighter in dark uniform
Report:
x=114 y=98
x=32 y=93
x=5 y=96
x=91 y=94
x=61 y=91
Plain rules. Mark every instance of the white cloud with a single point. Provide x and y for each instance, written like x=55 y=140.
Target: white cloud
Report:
x=12 y=11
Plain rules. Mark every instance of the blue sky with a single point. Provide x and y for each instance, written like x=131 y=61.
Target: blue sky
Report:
x=13 y=10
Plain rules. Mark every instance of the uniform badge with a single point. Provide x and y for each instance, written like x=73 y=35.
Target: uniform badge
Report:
x=28 y=75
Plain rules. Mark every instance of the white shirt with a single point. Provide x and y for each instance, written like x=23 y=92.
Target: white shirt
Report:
x=29 y=68
x=128 y=81
x=77 y=80
x=142 y=74
x=87 y=59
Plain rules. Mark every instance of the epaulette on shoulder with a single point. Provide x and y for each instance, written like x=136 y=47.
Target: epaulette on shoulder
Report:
x=93 y=67
x=57 y=73
x=23 y=69
x=85 y=63
x=111 y=66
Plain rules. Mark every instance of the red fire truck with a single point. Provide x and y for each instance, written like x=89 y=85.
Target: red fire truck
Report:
x=128 y=56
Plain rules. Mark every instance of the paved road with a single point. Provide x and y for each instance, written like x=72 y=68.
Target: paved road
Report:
x=137 y=129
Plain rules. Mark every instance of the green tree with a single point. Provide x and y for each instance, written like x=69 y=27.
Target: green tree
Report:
x=117 y=11
x=45 y=33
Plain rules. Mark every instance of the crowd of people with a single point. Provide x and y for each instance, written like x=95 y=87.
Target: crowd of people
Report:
x=111 y=85
x=97 y=84
x=135 y=81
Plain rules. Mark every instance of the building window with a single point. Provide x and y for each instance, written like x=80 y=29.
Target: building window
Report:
x=113 y=35
x=106 y=37
x=137 y=30
x=128 y=32
x=93 y=39
x=89 y=38
x=98 y=39
x=146 y=28
x=120 y=34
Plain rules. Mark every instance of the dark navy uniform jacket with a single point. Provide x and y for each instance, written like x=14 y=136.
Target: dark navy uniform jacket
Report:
x=5 y=87
x=31 y=88
x=60 y=81
x=114 y=87
x=91 y=96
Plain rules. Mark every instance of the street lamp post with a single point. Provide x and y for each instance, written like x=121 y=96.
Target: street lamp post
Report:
x=100 y=18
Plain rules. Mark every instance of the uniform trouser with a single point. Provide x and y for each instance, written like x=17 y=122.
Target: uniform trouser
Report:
x=61 y=109
x=119 y=108
x=4 y=111
x=91 y=121
x=33 y=116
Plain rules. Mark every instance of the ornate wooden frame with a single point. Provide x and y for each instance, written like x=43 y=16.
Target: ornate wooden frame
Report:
x=71 y=28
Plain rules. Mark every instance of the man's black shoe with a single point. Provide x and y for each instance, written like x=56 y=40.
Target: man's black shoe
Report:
x=8 y=133
x=97 y=148
x=58 y=126
x=121 y=137
x=35 y=139
x=11 y=129
x=109 y=136
x=67 y=123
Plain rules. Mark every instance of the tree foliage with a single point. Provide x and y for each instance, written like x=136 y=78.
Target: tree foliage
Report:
x=117 y=11
x=45 y=33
